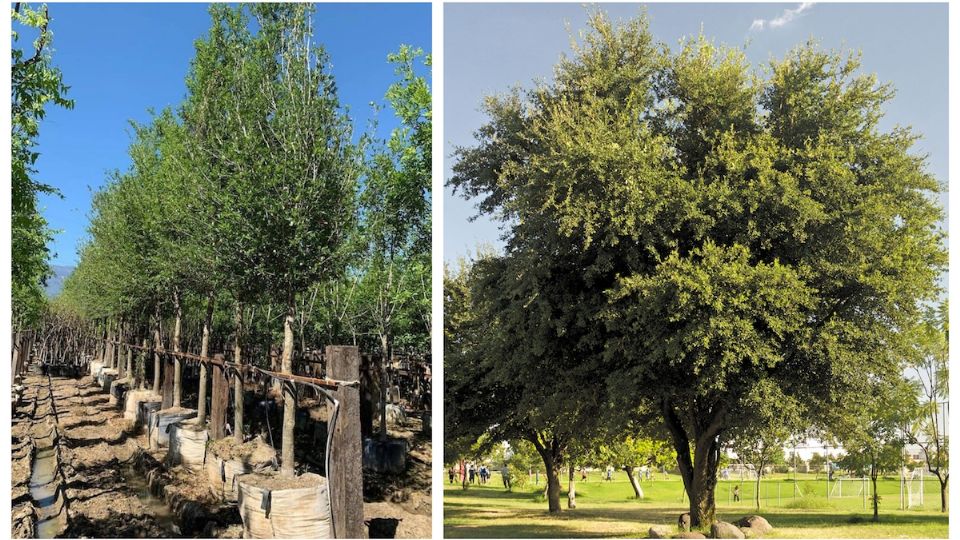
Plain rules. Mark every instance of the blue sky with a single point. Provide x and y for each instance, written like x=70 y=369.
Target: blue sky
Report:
x=122 y=59
x=488 y=48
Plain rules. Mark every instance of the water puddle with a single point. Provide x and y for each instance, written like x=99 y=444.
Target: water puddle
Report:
x=43 y=490
x=155 y=506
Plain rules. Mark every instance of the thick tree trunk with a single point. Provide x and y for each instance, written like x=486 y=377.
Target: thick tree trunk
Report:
x=700 y=474
x=177 y=364
x=571 y=488
x=204 y=368
x=238 y=379
x=553 y=489
x=552 y=455
x=637 y=490
x=289 y=399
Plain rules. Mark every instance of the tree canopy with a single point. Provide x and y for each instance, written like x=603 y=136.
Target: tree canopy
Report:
x=705 y=239
x=35 y=83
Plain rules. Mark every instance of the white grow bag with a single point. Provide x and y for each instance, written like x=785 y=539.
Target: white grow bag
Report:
x=285 y=513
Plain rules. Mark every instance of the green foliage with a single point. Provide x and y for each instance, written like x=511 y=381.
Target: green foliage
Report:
x=35 y=83
x=254 y=191
x=707 y=242
x=395 y=205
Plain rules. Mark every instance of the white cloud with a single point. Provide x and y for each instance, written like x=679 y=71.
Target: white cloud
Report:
x=787 y=16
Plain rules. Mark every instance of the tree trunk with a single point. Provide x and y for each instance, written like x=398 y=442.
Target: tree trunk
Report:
x=943 y=493
x=700 y=474
x=289 y=399
x=142 y=367
x=876 y=498
x=757 y=490
x=157 y=343
x=129 y=369
x=552 y=457
x=384 y=381
x=204 y=368
x=16 y=355
x=122 y=338
x=553 y=489
x=177 y=364
x=238 y=379
x=571 y=488
x=108 y=356
x=637 y=490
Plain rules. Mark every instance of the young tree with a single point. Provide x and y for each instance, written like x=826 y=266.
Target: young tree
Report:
x=396 y=217
x=761 y=443
x=873 y=430
x=726 y=231
x=929 y=360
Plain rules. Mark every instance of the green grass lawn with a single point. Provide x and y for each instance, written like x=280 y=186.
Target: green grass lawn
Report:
x=606 y=509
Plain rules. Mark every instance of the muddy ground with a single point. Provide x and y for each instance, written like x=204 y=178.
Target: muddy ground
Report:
x=110 y=472
x=402 y=501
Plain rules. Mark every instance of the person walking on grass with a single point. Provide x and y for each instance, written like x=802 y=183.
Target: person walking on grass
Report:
x=736 y=493
x=452 y=473
x=609 y=477
x=583 y=474
x=505 y=475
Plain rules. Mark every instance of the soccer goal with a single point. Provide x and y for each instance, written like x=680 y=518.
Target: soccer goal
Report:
x=913 y=487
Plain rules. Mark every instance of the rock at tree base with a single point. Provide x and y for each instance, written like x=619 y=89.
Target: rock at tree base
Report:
x=756 y=525
x=659 y=531
x=690 y=534
x=722 y=529
x=683 y=522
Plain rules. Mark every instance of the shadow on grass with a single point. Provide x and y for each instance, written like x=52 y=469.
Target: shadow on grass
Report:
x=811 y=519
x=486 y=513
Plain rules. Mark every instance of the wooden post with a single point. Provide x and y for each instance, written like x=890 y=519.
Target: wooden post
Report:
x=218 y=399
x=346 y=451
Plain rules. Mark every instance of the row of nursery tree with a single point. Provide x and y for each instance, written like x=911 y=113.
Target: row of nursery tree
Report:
x=253 y=218
x=254 y=209
x=698 y=253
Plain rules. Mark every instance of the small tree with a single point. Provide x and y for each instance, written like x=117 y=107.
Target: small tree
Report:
x=761 y=443
x=873 y=430
x=930 y=363
x=631 y=452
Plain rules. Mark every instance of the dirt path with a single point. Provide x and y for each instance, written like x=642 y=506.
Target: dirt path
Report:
x=94 y=445
x=103 y=473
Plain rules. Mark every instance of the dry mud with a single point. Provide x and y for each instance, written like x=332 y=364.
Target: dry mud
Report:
x=113 y=485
